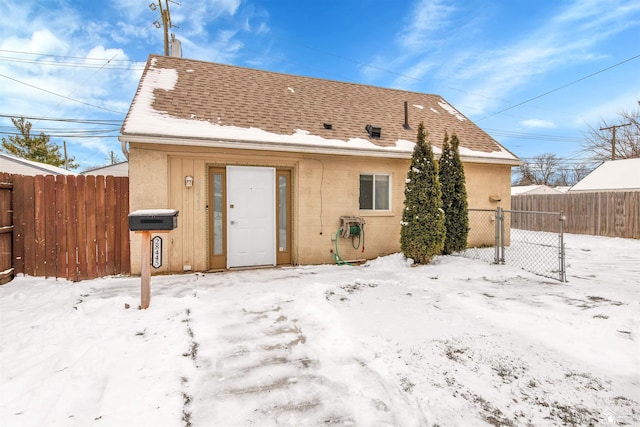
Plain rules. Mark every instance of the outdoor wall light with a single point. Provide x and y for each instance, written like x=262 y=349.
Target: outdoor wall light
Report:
x=188 y=181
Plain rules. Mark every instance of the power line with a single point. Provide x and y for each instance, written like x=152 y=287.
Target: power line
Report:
x=68 y=64
x=62 y=96
x=64 y=56
x=84 y=121
x=533 y=136
x=559 y=88
x=85 y=80
x=68 y=136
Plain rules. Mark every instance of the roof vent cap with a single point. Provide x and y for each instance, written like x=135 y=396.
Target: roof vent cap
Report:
x=374 y=131
x=328 y=126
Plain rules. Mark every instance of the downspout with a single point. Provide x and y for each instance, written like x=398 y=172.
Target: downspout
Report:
x=125 y=150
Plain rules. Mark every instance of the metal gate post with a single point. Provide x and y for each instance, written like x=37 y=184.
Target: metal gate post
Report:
x=499 y=240
x=561 y=255
x=502 y=237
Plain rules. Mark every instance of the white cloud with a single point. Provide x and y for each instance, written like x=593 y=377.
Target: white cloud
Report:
x=564 y=39
x=609 y=110
x=570 y=34
x=428 y=17
x=538 y=123
x=40 y=41
x=225 y=6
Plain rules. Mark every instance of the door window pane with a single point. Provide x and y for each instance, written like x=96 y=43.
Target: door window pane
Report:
x=217 y=214
x=282 y=210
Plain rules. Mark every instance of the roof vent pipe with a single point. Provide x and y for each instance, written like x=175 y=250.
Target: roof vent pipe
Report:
x=406 y=115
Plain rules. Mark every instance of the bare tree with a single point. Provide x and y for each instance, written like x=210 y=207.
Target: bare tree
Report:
x=578 y=172
x=113 y=158
x=543 y=169
x=523 y=174
x=615 y=140
x=546 y=168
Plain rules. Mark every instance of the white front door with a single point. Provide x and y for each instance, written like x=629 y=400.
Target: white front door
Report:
x=251 y=210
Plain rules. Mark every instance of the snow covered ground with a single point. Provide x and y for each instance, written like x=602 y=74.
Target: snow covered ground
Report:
x=458 y=342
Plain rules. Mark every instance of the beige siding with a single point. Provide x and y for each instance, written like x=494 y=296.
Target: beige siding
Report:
x=488 y=187
x=324 y=187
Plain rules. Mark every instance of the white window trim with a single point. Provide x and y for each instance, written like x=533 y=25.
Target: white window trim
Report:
x=390 y=192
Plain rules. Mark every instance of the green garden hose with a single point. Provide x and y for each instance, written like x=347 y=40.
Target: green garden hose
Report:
x=336 y=256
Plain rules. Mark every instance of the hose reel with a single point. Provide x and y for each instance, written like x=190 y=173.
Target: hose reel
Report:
x=351 y=227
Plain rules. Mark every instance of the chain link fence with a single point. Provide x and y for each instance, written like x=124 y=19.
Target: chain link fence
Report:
x=483 y=241
x=514 y=238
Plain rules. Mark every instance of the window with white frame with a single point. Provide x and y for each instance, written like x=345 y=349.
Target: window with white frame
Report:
x=375 y=192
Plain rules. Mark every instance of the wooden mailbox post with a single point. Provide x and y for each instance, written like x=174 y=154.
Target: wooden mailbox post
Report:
x=145 y=222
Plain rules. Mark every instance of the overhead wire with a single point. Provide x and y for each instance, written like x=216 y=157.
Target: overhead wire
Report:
x=61 y=96
x=559 y=88
x=85 y=121
x=533 y=136
x=64 y=56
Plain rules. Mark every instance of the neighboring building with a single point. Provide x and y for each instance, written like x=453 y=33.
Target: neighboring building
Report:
x=262 y=165
x=19 y=166
x=117 y=169
x=614 y=175
x=533 y=189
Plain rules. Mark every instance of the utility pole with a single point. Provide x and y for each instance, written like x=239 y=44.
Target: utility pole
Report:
x=613 y=137
x=66 y=159
x=165 y=15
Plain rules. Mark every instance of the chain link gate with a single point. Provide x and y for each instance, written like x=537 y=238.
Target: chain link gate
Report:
x=533 y=241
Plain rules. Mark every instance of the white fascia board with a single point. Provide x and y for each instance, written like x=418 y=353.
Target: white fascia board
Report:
x=301 y=148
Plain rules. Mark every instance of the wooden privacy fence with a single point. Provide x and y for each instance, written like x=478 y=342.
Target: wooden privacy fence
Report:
x=611 y=214
x=6 y=228
x=72 y=227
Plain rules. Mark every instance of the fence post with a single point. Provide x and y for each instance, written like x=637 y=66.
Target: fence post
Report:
x=561 y=255
x=499 y=237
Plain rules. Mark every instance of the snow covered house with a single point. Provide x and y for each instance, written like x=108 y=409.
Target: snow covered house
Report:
x=19 y=166
x=262 y=165
x=614 y=175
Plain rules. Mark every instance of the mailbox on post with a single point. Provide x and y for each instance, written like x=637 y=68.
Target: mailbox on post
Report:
x=145 y=222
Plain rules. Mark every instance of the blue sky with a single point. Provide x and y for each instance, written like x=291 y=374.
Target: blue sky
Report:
x=532 y=74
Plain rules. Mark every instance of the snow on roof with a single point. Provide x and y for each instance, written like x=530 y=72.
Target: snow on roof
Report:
x=154 y=212
x=117 y=169
x=17 y=165
x=197 y=103
x=533 y=189
x=445 y=106
x=614 y=175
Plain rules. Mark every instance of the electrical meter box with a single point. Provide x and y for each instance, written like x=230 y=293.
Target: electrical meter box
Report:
x=153 y=220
